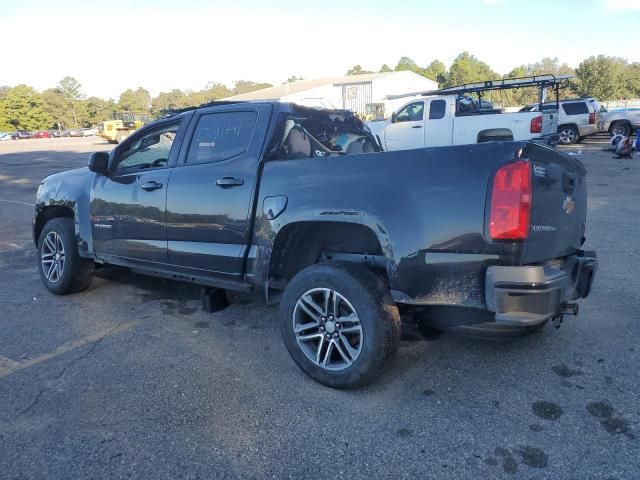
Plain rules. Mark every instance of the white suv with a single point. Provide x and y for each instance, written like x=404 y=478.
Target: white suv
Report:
x=577 y=118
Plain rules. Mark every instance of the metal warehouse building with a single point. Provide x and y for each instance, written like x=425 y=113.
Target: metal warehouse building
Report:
x=364 y=94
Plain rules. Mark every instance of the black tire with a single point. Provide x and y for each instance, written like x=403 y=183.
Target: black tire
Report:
x=367 y=295
x=75 y=272
x=121 y=136
x=568 y=134
x=620 y=128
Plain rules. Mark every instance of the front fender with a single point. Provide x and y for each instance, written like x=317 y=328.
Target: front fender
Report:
x=69 y=190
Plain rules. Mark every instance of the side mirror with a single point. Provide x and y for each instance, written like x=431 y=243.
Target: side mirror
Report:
x=394 y=117
x=99 y=163
x=150 y=141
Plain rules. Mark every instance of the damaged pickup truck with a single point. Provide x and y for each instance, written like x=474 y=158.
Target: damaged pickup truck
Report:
x=300 y=206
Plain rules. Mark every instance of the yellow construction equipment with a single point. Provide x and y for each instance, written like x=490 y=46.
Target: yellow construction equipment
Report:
x=122 y=125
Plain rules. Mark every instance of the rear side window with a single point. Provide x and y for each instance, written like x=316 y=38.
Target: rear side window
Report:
x=575 y=108
x=437 y=109
x=220 y=136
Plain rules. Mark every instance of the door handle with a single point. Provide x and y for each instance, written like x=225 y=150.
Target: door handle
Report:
x=227 y=182
x=417 y=126
x=150 y=186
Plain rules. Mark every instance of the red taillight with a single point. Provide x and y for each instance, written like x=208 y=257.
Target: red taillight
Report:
x=511 y=202
x=592 y=118
x=536 y=125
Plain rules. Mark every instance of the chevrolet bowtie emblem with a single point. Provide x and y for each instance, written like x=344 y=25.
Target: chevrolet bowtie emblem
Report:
x=568 y=205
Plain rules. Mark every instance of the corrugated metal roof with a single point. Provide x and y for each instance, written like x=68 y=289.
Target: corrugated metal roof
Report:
x=277 y=92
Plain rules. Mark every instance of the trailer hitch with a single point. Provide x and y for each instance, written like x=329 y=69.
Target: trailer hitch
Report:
x=566 y=309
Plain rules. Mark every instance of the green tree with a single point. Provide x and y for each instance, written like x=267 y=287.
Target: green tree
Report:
x=357 y=70
x=216 y=91
x=98 y=110
x=466 y=68
x=59 y=108
x=436 y=71
x=4 y=122
x=516 y=97
x=406 y=63
x=172 y=100
x=24 y=109
x=213 y=91
x=632 y=80
x=385 y=68
x=605 y=78
x=135 y=101
x=246 y=86
x=71 y=89
x=549 y=65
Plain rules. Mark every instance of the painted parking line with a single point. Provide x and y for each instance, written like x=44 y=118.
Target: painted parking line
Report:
x=17 y=202
x=9 y=366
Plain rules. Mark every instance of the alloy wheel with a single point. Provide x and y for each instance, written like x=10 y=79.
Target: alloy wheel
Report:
x=620 y=129
x=567 y=136
x=327 y=329
x=52 y=257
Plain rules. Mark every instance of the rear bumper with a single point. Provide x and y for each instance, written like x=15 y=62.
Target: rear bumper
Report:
x=551 y=139
x=532 y=294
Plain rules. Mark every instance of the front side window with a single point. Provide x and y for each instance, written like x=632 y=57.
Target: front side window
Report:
x=220 y=136
x=437 y=109
x=413 y=112
x=148 y=151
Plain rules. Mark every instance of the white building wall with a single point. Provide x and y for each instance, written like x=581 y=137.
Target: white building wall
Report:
x=326 y=96
x=398 y=84
x=330 y=96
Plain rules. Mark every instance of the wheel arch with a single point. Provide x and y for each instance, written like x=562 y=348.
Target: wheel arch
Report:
x=499 y=134
x=47 y=213
x=623 y=121
x=303 y=243
x=574 y=125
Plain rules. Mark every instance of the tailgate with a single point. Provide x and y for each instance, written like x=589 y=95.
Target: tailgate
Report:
x=558 y=204
x=549 y=122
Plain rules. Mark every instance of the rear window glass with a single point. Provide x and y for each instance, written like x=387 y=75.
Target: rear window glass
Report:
x=575 y=108
x=220 y=136
x=437 y=109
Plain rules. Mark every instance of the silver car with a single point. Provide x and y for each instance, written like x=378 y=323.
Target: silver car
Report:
x=624 y=121
x=577 y=118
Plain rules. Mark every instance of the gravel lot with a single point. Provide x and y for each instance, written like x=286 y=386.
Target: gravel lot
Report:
x=131 y=379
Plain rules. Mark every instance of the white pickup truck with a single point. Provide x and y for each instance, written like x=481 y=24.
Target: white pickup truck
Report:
x=437 y=121
x=459 y=116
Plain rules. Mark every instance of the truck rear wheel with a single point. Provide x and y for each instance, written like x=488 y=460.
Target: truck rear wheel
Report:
x=620 y=128
x=568 y=134
x=339 y=323
x=61 y=269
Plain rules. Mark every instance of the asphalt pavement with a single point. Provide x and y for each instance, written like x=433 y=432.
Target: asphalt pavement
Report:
x=131 y=379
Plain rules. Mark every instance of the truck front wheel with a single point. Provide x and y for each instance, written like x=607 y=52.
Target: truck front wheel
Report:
x=121 y=136
x=339 y=323
x=61 y=269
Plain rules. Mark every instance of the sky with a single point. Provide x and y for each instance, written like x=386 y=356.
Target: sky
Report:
x=112 y=45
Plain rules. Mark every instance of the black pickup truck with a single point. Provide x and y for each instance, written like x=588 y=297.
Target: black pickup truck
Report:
x=300 y=206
